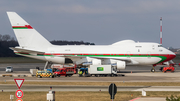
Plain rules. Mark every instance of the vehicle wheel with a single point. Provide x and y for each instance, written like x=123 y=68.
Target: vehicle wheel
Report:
x=59 y=75
x=66 y=76
x=96 y=75
x=69 y=75
x=153 y=70
x=39 y=76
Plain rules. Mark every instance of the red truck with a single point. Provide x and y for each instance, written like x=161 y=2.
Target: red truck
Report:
x=66 y=71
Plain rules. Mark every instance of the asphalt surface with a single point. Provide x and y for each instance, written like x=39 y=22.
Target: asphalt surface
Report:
x=132 y=74
x=66 y=88
x=28 y=66
x=13 y=87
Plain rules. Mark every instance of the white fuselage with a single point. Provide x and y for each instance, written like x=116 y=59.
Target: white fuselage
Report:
x=138 y=53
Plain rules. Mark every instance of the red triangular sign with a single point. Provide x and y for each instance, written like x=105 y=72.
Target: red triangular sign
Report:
x=19 y=82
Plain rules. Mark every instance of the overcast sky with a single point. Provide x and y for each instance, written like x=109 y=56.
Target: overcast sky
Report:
x=102 y=22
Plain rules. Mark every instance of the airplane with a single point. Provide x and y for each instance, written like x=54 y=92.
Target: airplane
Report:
x=127 y=52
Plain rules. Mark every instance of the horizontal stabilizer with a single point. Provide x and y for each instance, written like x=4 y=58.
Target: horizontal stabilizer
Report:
x=19 y=49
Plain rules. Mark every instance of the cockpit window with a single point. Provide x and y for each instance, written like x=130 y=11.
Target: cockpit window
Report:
x=159 y=45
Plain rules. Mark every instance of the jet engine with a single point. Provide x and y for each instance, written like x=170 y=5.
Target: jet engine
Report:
x=96 y=62
x=89 y=61
x=121 y=65
x=115 y=63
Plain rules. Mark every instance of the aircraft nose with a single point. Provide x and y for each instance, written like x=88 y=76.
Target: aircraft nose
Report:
x=170 y=56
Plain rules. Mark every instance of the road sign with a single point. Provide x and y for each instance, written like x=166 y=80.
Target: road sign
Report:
x=112 y=90
x=19 y=82
x=19 y=93
x=19 y=100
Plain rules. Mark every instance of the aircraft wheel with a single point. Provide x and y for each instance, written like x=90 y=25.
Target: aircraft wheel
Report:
x=152 y=70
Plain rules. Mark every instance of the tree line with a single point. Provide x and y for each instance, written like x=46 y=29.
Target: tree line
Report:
x=7 y=41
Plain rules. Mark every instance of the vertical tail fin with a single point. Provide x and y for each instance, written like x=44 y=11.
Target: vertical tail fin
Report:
x=26 y=35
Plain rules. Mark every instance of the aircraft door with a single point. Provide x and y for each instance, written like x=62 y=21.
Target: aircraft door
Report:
x=149 y=55
x=52 y=54
x=128 y=54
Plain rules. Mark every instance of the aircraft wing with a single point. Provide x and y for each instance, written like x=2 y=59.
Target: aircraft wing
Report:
x=128 y=61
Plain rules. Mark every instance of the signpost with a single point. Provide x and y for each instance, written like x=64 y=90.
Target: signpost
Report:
x=112 y=90
x=19 y=93
x=19 y=82
x=19 y=100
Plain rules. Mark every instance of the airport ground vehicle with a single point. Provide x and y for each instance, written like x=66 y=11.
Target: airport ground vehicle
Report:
x=99 y=71
x=58 y=66
x=43 y=73
x=9 y=69
x=165 y=69
x=66 y=71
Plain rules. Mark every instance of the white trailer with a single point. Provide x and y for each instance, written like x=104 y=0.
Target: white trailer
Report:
x=102 y=70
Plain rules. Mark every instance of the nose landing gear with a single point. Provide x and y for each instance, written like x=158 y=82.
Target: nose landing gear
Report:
x=153 y=69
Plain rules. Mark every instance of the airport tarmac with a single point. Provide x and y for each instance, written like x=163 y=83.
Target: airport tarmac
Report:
x=129 y=77
x=139 y=74
x=28 y=66
x=132 y=74
x=13 y=87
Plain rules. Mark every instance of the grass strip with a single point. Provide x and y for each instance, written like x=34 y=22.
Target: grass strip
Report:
x=86 y=96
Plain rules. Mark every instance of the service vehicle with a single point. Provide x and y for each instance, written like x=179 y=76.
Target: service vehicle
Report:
x=44 y=73
x=67 y=71
x=9 y=69
x=98 y=71
x=55 y=67
x=166 y=69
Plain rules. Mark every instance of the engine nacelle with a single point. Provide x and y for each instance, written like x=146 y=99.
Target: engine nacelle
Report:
x=88 y=61
x=121 y=65
x=96 y=62
x=60 y=60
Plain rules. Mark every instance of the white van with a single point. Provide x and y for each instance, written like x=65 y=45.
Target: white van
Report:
x=9 y=69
